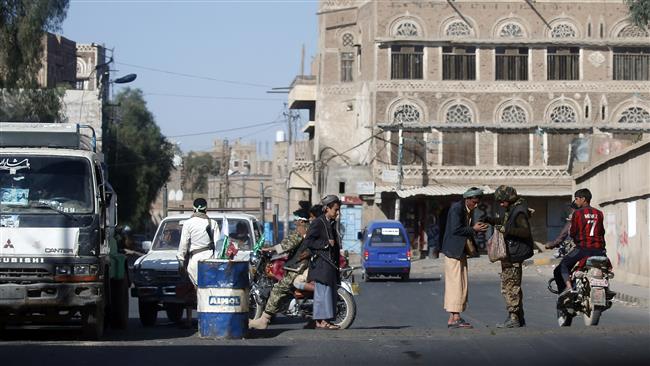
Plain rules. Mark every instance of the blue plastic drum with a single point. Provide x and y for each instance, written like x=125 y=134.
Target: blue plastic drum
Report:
x=222 y=298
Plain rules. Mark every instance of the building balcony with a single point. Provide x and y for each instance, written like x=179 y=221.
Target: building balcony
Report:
x=302 y=94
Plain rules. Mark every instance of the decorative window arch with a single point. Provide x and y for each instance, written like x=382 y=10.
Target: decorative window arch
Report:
x=634 y=114
x=564 y=30
x=632 y=31
x=513 y=114
x=563 y=113
x=406 y=113
x=511 y=30
x=407 y=28
x=347 y=40
x=458 y=29
x=458 y=113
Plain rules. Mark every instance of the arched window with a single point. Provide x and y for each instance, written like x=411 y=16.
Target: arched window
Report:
x=632 y=31
x=635 y=115
x=458 y=29
x=407 y=29
x=563 y=31
x=513 y=115
x=406 y=113
x=347 y=40
x=563 y=114
x=458 y=113
x=511 y=30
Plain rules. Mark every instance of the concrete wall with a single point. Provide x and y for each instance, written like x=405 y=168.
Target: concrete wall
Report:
x=621 y=189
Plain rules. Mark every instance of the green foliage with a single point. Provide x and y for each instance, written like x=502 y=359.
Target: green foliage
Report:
x=639 y=12
x=197 y=166
x=22 y=26
x=139 y=157
x=23 y=23
x=31 y=105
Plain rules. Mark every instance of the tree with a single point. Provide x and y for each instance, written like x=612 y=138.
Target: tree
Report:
x=139 y=157
x=23 y=23
x=197 y=166
x=640 y=12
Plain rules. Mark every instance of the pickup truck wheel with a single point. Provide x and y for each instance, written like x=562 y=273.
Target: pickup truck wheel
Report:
x=120 y=303
x=174 y=312
x=93 y=328
x=148 y=313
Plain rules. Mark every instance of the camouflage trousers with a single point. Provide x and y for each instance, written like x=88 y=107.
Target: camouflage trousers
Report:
x=280 y=292
x=511 y=287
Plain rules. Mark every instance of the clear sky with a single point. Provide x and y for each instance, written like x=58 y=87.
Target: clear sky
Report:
x=255 y=45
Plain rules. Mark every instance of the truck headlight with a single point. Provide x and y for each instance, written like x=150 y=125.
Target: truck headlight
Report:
x=63 y=270
x=144 y=276
x=85 y=270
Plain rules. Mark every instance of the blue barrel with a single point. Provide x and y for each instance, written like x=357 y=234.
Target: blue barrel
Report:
x=222 y=298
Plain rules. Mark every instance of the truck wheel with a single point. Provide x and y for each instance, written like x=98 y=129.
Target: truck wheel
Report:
x=148 y=313
x=93 y=328
x=120 y=303
x=174 y=312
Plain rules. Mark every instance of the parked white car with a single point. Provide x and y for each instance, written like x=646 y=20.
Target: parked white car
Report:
x=156 y=274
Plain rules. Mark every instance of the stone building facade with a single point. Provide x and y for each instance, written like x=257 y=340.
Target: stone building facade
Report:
x=484 y=92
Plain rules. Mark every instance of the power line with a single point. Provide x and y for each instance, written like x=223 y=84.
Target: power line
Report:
x=227 y=129
x=194 y=76
x=212 y=97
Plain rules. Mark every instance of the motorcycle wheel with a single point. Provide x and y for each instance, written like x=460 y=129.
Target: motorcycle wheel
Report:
x=564 y=319
x=594 y=316
x=346 y=309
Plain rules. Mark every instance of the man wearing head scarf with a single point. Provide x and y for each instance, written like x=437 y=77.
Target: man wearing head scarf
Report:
x=293 y=267
x=516 y=231
x=197 y=239
x=458 y=243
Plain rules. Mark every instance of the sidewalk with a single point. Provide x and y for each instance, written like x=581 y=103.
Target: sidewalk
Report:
x=636 y=295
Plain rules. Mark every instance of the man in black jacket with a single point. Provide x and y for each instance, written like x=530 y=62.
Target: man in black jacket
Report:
x=458 y=242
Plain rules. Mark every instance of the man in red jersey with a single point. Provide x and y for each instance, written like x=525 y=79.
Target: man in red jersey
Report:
x=588 y=234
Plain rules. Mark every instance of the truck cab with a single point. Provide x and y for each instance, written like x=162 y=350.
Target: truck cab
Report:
x=57 y=264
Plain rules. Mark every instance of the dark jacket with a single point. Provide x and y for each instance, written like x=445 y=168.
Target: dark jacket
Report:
x=324 y=266
x=457 y=231
x=517 y=233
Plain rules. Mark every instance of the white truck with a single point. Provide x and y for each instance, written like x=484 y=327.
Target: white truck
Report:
x=59 y=263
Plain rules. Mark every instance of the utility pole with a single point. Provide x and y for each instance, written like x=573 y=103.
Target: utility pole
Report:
x=165 y=203
x=262 y=203
x=400 y=152
x=226 y=156
x=289 y=115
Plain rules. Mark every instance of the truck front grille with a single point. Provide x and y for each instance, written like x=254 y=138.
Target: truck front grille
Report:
x=25 y=275
x=167 y=277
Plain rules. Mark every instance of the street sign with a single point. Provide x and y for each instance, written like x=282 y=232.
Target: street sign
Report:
x=389 y=176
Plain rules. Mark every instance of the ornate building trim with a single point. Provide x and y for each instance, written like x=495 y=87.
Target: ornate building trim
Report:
x=452 y=27
x=523 y=172
x=564 y=27
x=624 y=29
x=406 y=110
x=456 y=108
x=631 y=112
x=506 y=27
x=642 y=87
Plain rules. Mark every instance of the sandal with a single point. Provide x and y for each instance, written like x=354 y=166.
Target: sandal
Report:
x=327 y=325
x=459 y=323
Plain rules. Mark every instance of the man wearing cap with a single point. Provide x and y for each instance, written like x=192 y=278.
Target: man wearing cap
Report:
x=516 y=231
x=197 y=239
x=284 y=288
x=457 y=244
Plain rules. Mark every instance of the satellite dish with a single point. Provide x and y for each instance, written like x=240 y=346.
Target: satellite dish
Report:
x=179 y=195
x=177 y=161
x=171 y=196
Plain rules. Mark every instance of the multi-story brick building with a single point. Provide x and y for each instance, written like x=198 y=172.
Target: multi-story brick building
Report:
x=484 y=93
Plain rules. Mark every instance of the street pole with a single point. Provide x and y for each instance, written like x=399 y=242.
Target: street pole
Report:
x=290 y=140
x=262 y=203
x=165 y=201
x=226 y=153
x=400 y=150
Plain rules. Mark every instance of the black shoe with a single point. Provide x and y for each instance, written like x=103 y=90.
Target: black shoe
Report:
x=511 y=322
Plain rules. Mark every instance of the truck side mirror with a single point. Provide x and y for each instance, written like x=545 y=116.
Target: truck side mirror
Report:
x=359 y=235
x=107 y=197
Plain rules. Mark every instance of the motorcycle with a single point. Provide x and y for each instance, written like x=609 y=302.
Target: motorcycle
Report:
x=266 y=270
x=590 y=278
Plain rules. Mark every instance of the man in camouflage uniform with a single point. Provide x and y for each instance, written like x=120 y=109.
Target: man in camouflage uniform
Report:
x=515 y=227
x=284 y=288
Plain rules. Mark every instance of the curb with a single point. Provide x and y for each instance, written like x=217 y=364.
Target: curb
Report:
x=631 y=299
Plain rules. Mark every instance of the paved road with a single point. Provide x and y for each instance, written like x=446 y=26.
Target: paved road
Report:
x=397 y=323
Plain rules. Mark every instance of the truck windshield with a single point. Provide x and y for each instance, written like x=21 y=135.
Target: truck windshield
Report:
x=37 y=184
x=387 y=237
x=168 y=237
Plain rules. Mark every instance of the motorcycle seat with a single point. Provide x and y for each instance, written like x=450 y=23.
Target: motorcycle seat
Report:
x=598 y=262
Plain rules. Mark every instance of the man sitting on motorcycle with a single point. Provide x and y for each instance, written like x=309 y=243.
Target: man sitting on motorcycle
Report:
x=284 y=288
x=588 y=234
